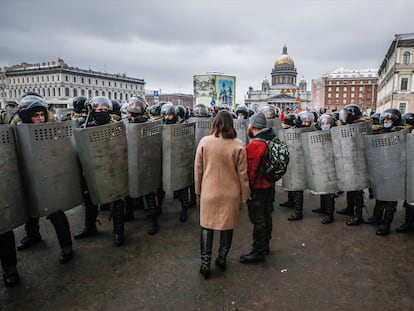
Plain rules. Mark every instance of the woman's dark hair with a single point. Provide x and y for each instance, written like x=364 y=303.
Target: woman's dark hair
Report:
x=223 y=124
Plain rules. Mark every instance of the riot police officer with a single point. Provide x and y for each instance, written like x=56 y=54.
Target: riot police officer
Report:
x=242 y=112
x=383 y=214
x=304 y=119
x=100 y=114
x=169 y=114
x=32 y=109
x=136 y=110
x=350 y=114
x=9 y=106
x=327 y=201
x=79 y=111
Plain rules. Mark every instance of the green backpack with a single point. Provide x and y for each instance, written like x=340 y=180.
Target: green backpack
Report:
x=275 y=161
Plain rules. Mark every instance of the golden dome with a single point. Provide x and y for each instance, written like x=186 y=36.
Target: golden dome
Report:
x=285 y=59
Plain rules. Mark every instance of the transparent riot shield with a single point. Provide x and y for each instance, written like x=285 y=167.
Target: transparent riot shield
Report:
x=295 y=177
x=386 y=159
x=103 y=154
x=12 y=209
x=203 y=127
x=348 y=146
x=275 y=124
x=50 y=167
x=144 y=157
x=241 y=129
x=178 y=149
x=62 y=114
x=319 y=161
x=409 y=193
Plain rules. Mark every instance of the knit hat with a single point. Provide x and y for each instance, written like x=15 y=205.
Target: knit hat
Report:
x=258 y=121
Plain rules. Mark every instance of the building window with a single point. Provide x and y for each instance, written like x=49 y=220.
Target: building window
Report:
x=103 y=82
x=89 y=81
x=66 y=91
x=66 y=78
x=404 y=84
x=96 y=82
x=403 y=108
x=75 y=92
x=406 y=58
x=82 y=80
x=90 y=93
x=59 y=92
x=82 y=92
x=96 y=92
x=74 y=79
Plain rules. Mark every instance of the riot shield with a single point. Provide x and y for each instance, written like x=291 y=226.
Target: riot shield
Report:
x=386 y=159
x=203 y=126
x=50 y=167
x=319 y=161
x=409 y=193
x=12 y=211
x=275 y=124
x=295 y=177
x=178 y=150
x=103 y=154
x=241 y=128
x=348 y=147
x=144 y=157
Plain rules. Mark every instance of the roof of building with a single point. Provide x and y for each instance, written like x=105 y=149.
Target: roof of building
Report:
x=342 y=73
x=285 y=58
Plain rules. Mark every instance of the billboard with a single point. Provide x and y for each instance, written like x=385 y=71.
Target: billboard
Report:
x=215 y=89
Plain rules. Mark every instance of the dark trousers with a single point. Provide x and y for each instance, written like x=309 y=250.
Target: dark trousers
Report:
x=8 y=250
x=260 y=214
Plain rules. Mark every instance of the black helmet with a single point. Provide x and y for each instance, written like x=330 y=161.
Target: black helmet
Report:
x=316 y=115
x=392 y=114
x=200 y=110
x=350 y=113
x=307 y=116
x=155 y=110
x=290 y=119
x=375 y=117
x=79 y=104
x=29 y=105
x=116 y=107
x=251 y=112
x=169 y=109
x=409 y=118
x=326 y=118
x=181 y=112
x=269 y=111
x=242 y=109
x=137 y=105
x=100 y=101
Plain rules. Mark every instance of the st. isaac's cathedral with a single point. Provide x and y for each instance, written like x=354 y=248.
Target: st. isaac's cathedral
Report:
x=283 y=92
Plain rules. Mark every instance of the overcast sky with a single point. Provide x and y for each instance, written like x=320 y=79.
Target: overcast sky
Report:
x=167 y=42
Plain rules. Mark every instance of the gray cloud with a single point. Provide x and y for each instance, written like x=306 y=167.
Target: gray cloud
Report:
x=167 y=42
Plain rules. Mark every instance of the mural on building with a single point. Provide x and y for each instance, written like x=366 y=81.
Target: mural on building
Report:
x=214 y=89
x=226 y=93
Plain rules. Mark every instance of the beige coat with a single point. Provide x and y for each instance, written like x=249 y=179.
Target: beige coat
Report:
x=221 y=180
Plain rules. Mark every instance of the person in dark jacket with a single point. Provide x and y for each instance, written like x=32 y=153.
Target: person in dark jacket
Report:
x=260 y=203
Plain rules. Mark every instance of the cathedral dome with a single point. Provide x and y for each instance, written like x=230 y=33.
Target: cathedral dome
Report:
x=285 y=59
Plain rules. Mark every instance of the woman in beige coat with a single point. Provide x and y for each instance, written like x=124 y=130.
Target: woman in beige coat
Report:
x=222 y=184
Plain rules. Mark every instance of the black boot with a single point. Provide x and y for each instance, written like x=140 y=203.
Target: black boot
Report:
x=330 y=207
x=253 y=257
x=298 y=204
x=61 y=224
x=152 y=210
x=384 y=227
x=407 y=226
x=129 y=209
x=183 y=197
x=91 y=215
x=226 y=237
x=322 y=209
x=206 y=245
x=289 y=202
x=10 y=276
x=350 y=204
x=32 y=234
x=377 y=215
x=118 y=222
x=359 y=205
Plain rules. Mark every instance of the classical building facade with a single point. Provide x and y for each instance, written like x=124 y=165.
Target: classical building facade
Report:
x=57 y=82
x=283 y=90
x=396 y=75
x=346 y=86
